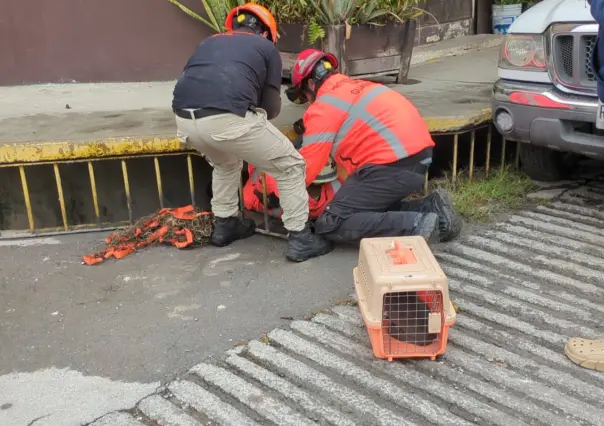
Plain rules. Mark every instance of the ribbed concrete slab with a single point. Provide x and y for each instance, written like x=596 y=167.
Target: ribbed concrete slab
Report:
x=523 y=288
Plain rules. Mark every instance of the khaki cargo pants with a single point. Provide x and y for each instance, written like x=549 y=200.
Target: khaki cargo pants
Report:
x=227 y=140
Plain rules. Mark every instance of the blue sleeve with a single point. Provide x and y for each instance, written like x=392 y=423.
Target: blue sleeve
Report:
x=597 y=11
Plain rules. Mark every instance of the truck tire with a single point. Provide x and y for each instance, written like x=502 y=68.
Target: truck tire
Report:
x=543 y=164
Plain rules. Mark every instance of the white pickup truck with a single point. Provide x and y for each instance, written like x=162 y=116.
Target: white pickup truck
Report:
x=546 y=92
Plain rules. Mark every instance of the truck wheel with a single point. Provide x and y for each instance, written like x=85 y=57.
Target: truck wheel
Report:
x=543 y=164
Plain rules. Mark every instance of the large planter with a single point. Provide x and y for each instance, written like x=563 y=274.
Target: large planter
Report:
x=370 y=50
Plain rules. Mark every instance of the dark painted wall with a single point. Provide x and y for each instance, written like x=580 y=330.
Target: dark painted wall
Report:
x=124 y=40
x=446 y=11
x=94 y=40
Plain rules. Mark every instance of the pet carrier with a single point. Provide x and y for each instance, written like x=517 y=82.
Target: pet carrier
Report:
x=403 y=295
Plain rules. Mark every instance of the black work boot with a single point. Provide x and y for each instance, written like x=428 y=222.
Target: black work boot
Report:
x=304 y=245
x=426 y=225
x=230 y=229
x=438 y=202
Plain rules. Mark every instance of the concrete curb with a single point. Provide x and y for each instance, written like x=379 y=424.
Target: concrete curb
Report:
x=454 y=47
x=142 y=142
x=454 y=124
x=50 y=151
x=14 y=154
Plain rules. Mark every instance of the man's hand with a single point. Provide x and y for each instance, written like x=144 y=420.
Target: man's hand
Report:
x=299 y=127
x=294 y=96
x=272 y=199
x=298 y=142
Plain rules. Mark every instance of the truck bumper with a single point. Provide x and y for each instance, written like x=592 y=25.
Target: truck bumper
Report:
x=541 y=115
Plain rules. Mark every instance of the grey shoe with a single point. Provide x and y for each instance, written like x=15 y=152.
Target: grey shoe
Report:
x=439 y=202
x=426 y=225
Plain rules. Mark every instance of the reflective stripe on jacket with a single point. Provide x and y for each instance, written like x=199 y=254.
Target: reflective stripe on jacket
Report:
x=358 y=122
x=254 y=183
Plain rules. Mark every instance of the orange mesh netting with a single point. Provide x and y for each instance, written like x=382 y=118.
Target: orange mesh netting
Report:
x=181 y=227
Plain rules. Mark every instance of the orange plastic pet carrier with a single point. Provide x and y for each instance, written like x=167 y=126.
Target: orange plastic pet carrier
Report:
x=403 y=295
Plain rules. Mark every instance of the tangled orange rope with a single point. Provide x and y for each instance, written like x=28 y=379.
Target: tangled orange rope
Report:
x=181 y=227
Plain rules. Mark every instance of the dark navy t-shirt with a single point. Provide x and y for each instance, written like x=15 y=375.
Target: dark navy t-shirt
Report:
x=229 y=72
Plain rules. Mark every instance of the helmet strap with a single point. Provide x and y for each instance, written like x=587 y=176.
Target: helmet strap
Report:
x=320 y=73
x=248 y=21
x=308 y=91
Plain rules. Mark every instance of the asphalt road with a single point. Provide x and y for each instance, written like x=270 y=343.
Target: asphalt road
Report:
x=523 y=286
x=143 y=319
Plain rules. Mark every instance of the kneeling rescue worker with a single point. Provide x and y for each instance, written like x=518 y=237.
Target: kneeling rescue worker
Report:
x=380 y=144
x=228 y=91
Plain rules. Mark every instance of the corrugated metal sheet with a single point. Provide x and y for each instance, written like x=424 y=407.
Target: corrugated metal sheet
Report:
x=523 y=287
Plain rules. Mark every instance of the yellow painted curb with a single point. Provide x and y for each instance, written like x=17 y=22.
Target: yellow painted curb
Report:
x=36 y=152
x=455 y=123
x=52 y=151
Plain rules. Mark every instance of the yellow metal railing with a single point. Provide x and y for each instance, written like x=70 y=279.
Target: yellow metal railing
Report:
x=99 y=225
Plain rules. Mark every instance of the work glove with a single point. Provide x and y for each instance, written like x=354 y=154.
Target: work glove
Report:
x=299 y=127
x=298 y=143
x=272 y=199
x=295 y=96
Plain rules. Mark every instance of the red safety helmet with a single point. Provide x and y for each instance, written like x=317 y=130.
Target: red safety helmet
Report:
x=305 y=64
x=261 y=12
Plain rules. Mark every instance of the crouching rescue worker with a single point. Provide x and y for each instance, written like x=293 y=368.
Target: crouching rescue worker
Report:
x=228 y=91
x=381 y=147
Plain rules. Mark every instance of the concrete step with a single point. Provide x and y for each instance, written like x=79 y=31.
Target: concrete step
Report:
x=523 y=288
x=454 y=47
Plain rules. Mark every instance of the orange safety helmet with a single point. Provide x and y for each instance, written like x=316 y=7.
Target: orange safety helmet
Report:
x=261 y=12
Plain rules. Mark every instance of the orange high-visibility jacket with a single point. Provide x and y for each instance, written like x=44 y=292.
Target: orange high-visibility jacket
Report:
x=254 y=183
x=359 y=122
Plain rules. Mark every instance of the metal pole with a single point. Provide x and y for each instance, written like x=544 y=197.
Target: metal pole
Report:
x=30 y=215
x=472 y=146
x=160 y=189
x=455 y=149
x=265 y=202
x=127 y=189
x=95 y=198
x=489 y=138
x=191 y=180
x=61 y=196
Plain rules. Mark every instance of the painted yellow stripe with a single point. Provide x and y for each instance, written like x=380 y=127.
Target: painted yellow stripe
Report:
x=440 y=124
x=52 y=151
x=35 y=152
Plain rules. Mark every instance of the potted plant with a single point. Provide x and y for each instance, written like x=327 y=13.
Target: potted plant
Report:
x=370 y=38
x=217 y=10
x=504 y=13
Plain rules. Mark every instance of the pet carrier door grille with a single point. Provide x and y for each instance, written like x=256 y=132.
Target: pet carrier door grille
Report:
x=412 y=322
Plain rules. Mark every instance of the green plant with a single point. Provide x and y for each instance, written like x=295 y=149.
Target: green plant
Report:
x=369 y=12
x=216 y=10
x=398 y=10
x=290 y=11
x=508 y=2
x=358 y=12
x=315 y=32
x=316 y=14
x=334 y=12
x=480 y=200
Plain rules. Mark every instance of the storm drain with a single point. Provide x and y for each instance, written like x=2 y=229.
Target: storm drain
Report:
x=523 y=287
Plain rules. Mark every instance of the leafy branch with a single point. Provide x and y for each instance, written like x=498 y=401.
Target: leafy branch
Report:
x=217 y=11
x=318 y=13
